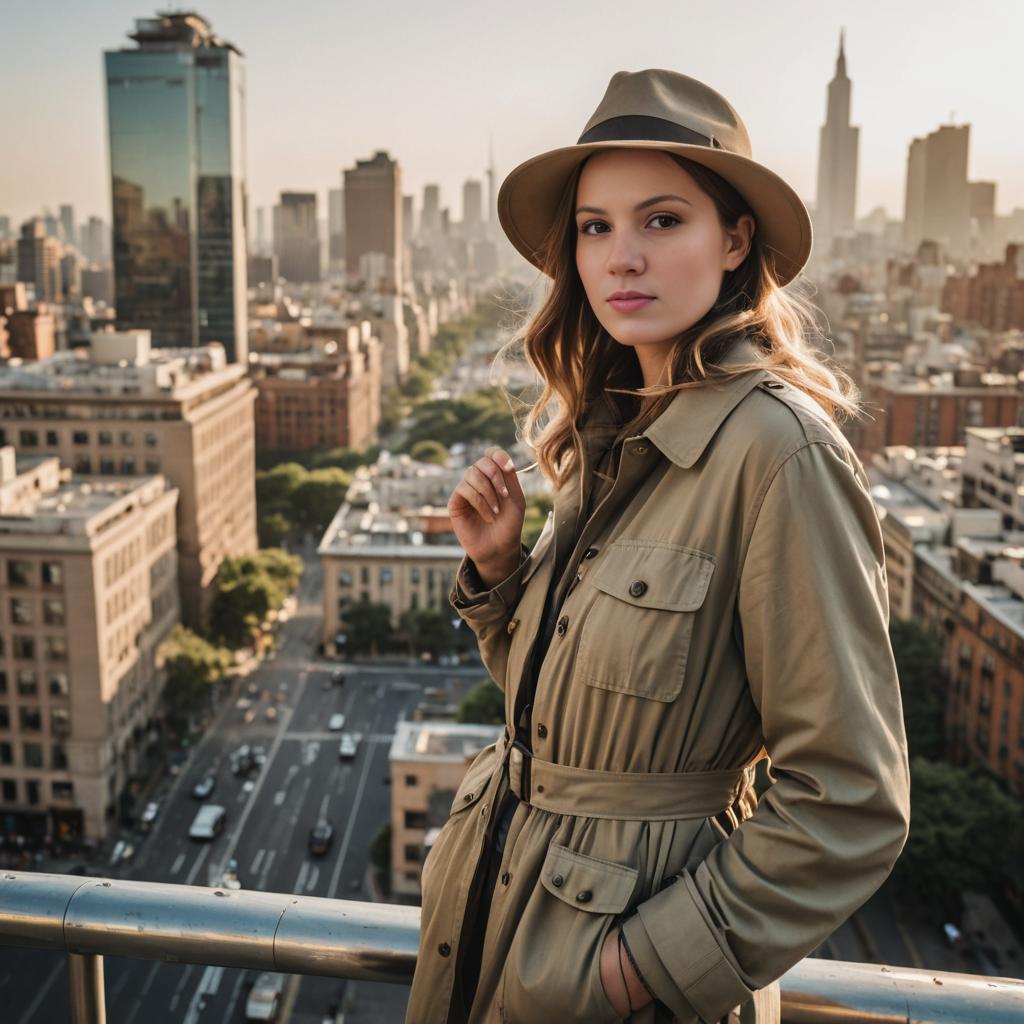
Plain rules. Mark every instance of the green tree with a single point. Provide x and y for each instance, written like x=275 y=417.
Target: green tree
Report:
x=537 y=508
x=369 y=627
x=426 y=630
x=274 y=487
x=919 y=662
x=318 y=497
x=192 y=665
x=417 y=384
x=483 y=705
x=956 y=813
x=273 y=529
x=430 y=451
x=248 y=588
x=380 y=849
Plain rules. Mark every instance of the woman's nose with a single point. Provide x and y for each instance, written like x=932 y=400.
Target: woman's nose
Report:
x=625 y=255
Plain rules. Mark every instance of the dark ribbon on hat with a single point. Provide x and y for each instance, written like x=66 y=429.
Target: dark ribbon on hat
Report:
x=642 y=127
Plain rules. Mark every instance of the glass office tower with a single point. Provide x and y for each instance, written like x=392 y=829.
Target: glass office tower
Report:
x=176 y=118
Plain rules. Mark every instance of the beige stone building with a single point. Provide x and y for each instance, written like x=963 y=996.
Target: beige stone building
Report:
x=123 y=409
x=88 y=590
x=384 y=557
x=428 y=761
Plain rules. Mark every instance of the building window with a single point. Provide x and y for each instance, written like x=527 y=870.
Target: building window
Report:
x=24 y=647
x=127 y=438
x=32 y=792
x=152 y=466
x=414 y=574
x=9 y=790
x=53 y=611
x=52 y=439
x=150 y=439
x=63 y=791
x=386 y=574
x=82 y=465
x=6 y=753
x=107 y=467
x=27 y=685
x=55 y=648
x=411 y=780
x=21 y=611
x=58 y=684
x=344 y=578
x=59 y=757
x=5 y=717
x=19 y=573
x=3 y=681
x=33 y=755
x=53 y=574
x=80 y=437
x=30 y=719
x=60 y=723
x=413 y=853
x=28 y=438
x=415 y=819
x=364 y=575
x=105 y=438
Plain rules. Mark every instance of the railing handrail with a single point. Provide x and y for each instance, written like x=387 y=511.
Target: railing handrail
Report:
x=264 y=931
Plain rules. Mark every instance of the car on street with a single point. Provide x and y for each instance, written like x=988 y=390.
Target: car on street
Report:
x=149 y=815
x=321 y=836
x=259 y=756
x=208 y=822
x=348 y=747
x=264 y=1000
x=204 y=787
x=337 y=677
x=336 y=722
x=229 y=878
x=241 y=759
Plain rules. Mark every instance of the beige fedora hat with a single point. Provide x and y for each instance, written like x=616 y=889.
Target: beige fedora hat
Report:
x=666 y=110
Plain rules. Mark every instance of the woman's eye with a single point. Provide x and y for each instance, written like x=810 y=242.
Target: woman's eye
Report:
x=585 y=229
x=666 y=216
x=590 y=224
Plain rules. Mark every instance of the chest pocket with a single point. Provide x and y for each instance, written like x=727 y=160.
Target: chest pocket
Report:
x=637 y=632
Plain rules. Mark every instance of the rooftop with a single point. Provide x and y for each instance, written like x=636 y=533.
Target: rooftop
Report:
x=441 y=742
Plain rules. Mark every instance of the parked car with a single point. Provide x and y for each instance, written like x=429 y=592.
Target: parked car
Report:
x=259 y=756
x=149 y=815
x=229 y=879
x=321 y=835
x=208 y=822
x=348 y=747
x=204 y=787
x=270 y=714
x=240 y=759
x=336 y=722
x=264 y=1000
x=337 y=677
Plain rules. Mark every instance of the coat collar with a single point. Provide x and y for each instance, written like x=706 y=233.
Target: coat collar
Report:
x=686 y=427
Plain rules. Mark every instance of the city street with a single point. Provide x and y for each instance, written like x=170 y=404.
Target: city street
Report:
x=267 y=828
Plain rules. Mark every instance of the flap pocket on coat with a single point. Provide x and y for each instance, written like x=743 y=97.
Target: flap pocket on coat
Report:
x=652 y=574
x=475 y=781
x=586 y=883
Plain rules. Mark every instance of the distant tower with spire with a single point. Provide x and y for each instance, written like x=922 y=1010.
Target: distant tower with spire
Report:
x=838 y=146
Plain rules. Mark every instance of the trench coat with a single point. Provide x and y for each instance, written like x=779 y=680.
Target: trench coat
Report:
x=728 y=607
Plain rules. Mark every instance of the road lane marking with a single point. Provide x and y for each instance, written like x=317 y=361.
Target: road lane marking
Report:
x=314 y=877
x=200 y=860
x=176 y=998
x=178 y=862
x=266 y=869
x=256 y=861
x=300 y=882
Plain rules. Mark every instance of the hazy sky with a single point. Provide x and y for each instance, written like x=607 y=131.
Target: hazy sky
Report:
x=332 y=82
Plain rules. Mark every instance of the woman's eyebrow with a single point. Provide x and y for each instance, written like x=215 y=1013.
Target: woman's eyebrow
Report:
x=639 y=206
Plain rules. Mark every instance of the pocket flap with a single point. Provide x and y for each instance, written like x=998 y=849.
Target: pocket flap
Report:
x=587 y=883
x=652 y=574
x=474 y=782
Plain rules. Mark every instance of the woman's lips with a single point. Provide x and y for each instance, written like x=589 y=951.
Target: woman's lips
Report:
x=629 y=305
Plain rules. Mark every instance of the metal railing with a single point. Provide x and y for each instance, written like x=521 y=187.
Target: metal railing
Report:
x=89 y=918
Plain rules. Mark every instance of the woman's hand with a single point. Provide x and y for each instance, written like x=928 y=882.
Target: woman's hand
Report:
x=612 y=969
x=487 y=509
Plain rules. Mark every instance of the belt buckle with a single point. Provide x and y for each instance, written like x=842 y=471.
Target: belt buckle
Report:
x=519 y=770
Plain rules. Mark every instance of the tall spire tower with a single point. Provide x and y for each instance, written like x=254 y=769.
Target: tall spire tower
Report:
x=838 y=146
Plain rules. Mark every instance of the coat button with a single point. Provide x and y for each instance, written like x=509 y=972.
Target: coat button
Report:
x=584 y=897
x=775 y=385
x=637 y=588
x=557 y=881
x=590 y=553
x=444 y=949
x=542 y=730
x=563 y=625
x=468 y=797
x=506 y=878
x=640 y=449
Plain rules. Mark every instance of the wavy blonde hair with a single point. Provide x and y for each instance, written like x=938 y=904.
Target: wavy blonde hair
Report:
x=578 y=361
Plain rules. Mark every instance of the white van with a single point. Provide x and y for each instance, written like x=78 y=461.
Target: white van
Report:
x=208 y=822
x=264 y=1000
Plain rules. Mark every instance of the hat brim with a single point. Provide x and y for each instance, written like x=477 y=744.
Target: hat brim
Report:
x=529 y=196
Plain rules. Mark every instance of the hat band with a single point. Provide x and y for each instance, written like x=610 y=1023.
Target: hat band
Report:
x=642 y=127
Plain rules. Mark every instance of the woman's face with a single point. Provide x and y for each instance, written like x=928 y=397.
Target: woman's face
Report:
x=643 y=225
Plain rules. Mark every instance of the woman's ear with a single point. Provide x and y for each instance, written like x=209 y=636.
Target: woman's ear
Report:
x=739 y=239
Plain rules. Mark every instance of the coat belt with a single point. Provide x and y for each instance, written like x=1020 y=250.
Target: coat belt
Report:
x=621 y=796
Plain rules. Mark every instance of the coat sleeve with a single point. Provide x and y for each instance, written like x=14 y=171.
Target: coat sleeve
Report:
x=813 y=612
x=487 y=612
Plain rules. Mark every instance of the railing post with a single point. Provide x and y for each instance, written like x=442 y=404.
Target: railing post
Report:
x=85 y=979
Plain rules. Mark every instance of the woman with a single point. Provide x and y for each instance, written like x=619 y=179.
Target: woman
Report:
x=708 y=592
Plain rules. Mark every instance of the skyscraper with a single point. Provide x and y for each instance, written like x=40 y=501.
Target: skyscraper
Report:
x=373 y=222
x=39 y=261
x=176 y=117
x=838 y=143
x=297 y=237
x=938 y=196
x=472 y=207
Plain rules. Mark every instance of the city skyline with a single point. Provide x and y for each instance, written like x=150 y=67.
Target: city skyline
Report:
x=510 y=86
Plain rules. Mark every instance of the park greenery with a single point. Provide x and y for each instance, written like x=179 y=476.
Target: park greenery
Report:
x=483 y=705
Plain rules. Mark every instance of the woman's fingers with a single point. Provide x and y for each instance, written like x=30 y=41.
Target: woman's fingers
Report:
x=506 y=467
x=479 y=479
x=474 y=498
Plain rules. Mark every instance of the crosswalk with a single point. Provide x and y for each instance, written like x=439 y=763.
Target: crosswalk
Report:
x=321 y=737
